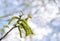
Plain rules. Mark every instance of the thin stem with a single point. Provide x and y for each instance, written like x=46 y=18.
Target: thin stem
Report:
x=7 y=33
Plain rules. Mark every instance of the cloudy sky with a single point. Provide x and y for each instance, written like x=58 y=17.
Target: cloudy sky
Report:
x=45 y=20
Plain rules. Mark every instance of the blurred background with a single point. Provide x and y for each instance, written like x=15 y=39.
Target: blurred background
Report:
x=45 y=20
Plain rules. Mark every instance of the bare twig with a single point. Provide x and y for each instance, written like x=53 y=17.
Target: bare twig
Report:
x=21 y=14
x=7 y=33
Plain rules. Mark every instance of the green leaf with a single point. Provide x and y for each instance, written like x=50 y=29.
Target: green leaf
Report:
x=2 y=30
x=6 y=26
x=25 y=28
x=15 y=17
x=30 y=30
x=20 y=32
x=23 y=20
x=20 y=26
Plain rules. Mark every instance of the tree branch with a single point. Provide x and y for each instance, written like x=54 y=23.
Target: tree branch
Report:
x=7 y=33
x=11 y=28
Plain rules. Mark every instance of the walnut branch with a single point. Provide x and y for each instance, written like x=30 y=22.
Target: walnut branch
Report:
x=7 y=33
x=11 y=28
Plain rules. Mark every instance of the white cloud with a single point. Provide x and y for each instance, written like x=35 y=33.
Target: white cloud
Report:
x=39 y=32
x=15 y=2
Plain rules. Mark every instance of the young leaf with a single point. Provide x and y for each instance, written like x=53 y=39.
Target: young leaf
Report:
x=20 y=26
x=6 y=26
x=25 y=28
x=30 y=30
x=20 y=31
x=23 y=20
x=15 y=17
x=2 y=30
